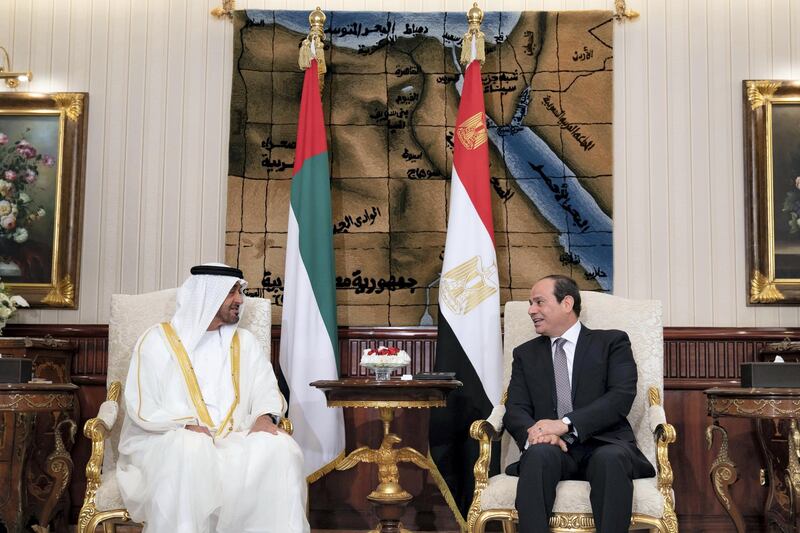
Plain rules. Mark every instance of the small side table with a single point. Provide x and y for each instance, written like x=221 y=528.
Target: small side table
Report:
x=389 y=499
x=776 y=411
x=21 y=405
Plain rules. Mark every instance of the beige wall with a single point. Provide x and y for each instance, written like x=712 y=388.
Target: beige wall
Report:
x=158 y=76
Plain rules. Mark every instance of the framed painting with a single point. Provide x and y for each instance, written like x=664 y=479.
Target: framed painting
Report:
x=42 y=165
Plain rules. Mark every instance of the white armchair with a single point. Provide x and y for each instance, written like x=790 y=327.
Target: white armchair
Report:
x=653 y=498
x=130 y=316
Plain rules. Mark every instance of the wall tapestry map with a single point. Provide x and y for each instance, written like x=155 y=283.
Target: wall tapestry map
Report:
x=390 y=100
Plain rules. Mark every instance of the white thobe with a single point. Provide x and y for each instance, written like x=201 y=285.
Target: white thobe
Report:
x=180 y=481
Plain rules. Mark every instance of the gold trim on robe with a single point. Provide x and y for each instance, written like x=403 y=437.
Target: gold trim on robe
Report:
x=194 y=388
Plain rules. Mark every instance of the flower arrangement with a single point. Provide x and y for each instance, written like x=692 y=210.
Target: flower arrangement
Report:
x=9 y=305
x=385 y=356
x=19 y=168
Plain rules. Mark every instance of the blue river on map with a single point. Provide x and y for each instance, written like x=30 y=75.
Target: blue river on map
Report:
x=552 y=187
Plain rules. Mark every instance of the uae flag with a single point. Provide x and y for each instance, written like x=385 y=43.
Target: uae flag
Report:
x=309 y=345
x=469 y=300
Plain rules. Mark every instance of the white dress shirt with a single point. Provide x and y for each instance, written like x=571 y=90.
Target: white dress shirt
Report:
x=571 y=338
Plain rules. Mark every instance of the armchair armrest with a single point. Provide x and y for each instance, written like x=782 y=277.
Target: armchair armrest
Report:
x=97 y=430
x=484 y=431
x=665 y=435
x=107 y=414
x=286 y=425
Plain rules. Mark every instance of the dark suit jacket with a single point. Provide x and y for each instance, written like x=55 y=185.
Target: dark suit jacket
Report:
x=603 y=388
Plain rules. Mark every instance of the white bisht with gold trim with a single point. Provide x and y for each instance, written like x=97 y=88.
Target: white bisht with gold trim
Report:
x=182 y=481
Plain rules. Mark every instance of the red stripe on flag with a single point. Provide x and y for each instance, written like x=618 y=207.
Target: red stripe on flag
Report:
x=473 y=165
x=311 y=126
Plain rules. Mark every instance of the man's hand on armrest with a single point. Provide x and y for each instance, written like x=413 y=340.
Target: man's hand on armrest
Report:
x=264 y=423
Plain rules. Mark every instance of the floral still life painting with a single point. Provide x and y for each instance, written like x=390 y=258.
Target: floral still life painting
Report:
x=42 y=172
x=25 y=172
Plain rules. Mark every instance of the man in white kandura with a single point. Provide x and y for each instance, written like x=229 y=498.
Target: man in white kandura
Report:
x=200 y=450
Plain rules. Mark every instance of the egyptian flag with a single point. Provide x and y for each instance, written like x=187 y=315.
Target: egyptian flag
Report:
x=309 y=345
x=469 y=300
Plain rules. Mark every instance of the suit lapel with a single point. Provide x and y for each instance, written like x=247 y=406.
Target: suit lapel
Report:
x=581 y=351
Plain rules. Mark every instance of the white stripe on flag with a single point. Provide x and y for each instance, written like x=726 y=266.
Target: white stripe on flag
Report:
x=307 y=355
x=478 y=331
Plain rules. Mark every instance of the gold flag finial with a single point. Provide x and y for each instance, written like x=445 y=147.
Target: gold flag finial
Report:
x=312 y=46
x=225 y=10
x=473 y=37
x=621 y=11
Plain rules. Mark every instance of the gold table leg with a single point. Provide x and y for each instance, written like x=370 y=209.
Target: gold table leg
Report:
x=723 y=475
x=389 y=498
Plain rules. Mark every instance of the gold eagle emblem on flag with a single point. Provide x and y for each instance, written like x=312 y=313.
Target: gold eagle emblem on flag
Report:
x=464 y=287
x=472 y=132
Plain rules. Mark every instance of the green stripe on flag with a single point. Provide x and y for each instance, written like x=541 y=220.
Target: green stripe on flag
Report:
x=311 y=203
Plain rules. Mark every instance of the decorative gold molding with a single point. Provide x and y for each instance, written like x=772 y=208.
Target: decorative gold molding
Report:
x=70 y=103
x=723 y=470
x=114 y=391
x=763 y=290
x=395 y=404
x=654 y=396
x=759 y=92
x=225 y=10
x=747 y=407
x=62 y=294
x=622 y=13
x=37 y=401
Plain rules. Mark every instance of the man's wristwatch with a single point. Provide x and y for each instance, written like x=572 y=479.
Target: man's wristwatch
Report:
x=568 y=422
x=275 y=418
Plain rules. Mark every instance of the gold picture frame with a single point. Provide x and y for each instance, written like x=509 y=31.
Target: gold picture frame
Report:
x=42 y=170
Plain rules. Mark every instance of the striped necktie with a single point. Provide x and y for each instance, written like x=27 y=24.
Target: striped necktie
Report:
x=563 y=387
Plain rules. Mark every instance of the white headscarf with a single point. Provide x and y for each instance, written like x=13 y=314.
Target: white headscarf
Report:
x=198 y=300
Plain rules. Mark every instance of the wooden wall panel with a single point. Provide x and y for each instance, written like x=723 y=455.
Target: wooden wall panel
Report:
x=695 y=359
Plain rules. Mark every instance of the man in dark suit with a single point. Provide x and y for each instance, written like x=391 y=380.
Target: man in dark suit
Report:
x=570 y=392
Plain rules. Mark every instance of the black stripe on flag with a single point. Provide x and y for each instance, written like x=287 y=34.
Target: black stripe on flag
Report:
x=451 y=447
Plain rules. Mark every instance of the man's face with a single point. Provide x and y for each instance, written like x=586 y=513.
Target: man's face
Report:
x=550 y=317
x=229 y=310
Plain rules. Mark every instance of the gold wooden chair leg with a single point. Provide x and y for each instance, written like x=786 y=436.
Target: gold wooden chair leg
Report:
x=508 y=526
x=109 y=527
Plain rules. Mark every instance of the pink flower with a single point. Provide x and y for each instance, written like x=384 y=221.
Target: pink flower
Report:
x=48 y=160
x=8 y=222
x=3 y=139
x=10 y=175
x=25 y=149
x=30 y=176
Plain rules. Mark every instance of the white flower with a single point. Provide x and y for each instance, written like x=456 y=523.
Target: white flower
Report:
x=5 y=207
x=20 y=235
x=24 y=198
x=19 y=301
x=40 y=212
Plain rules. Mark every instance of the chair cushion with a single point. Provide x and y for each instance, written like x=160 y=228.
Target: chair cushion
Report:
x=572 y=496
x=108 y=497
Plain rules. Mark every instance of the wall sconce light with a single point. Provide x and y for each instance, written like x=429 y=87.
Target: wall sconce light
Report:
x=12 y=78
